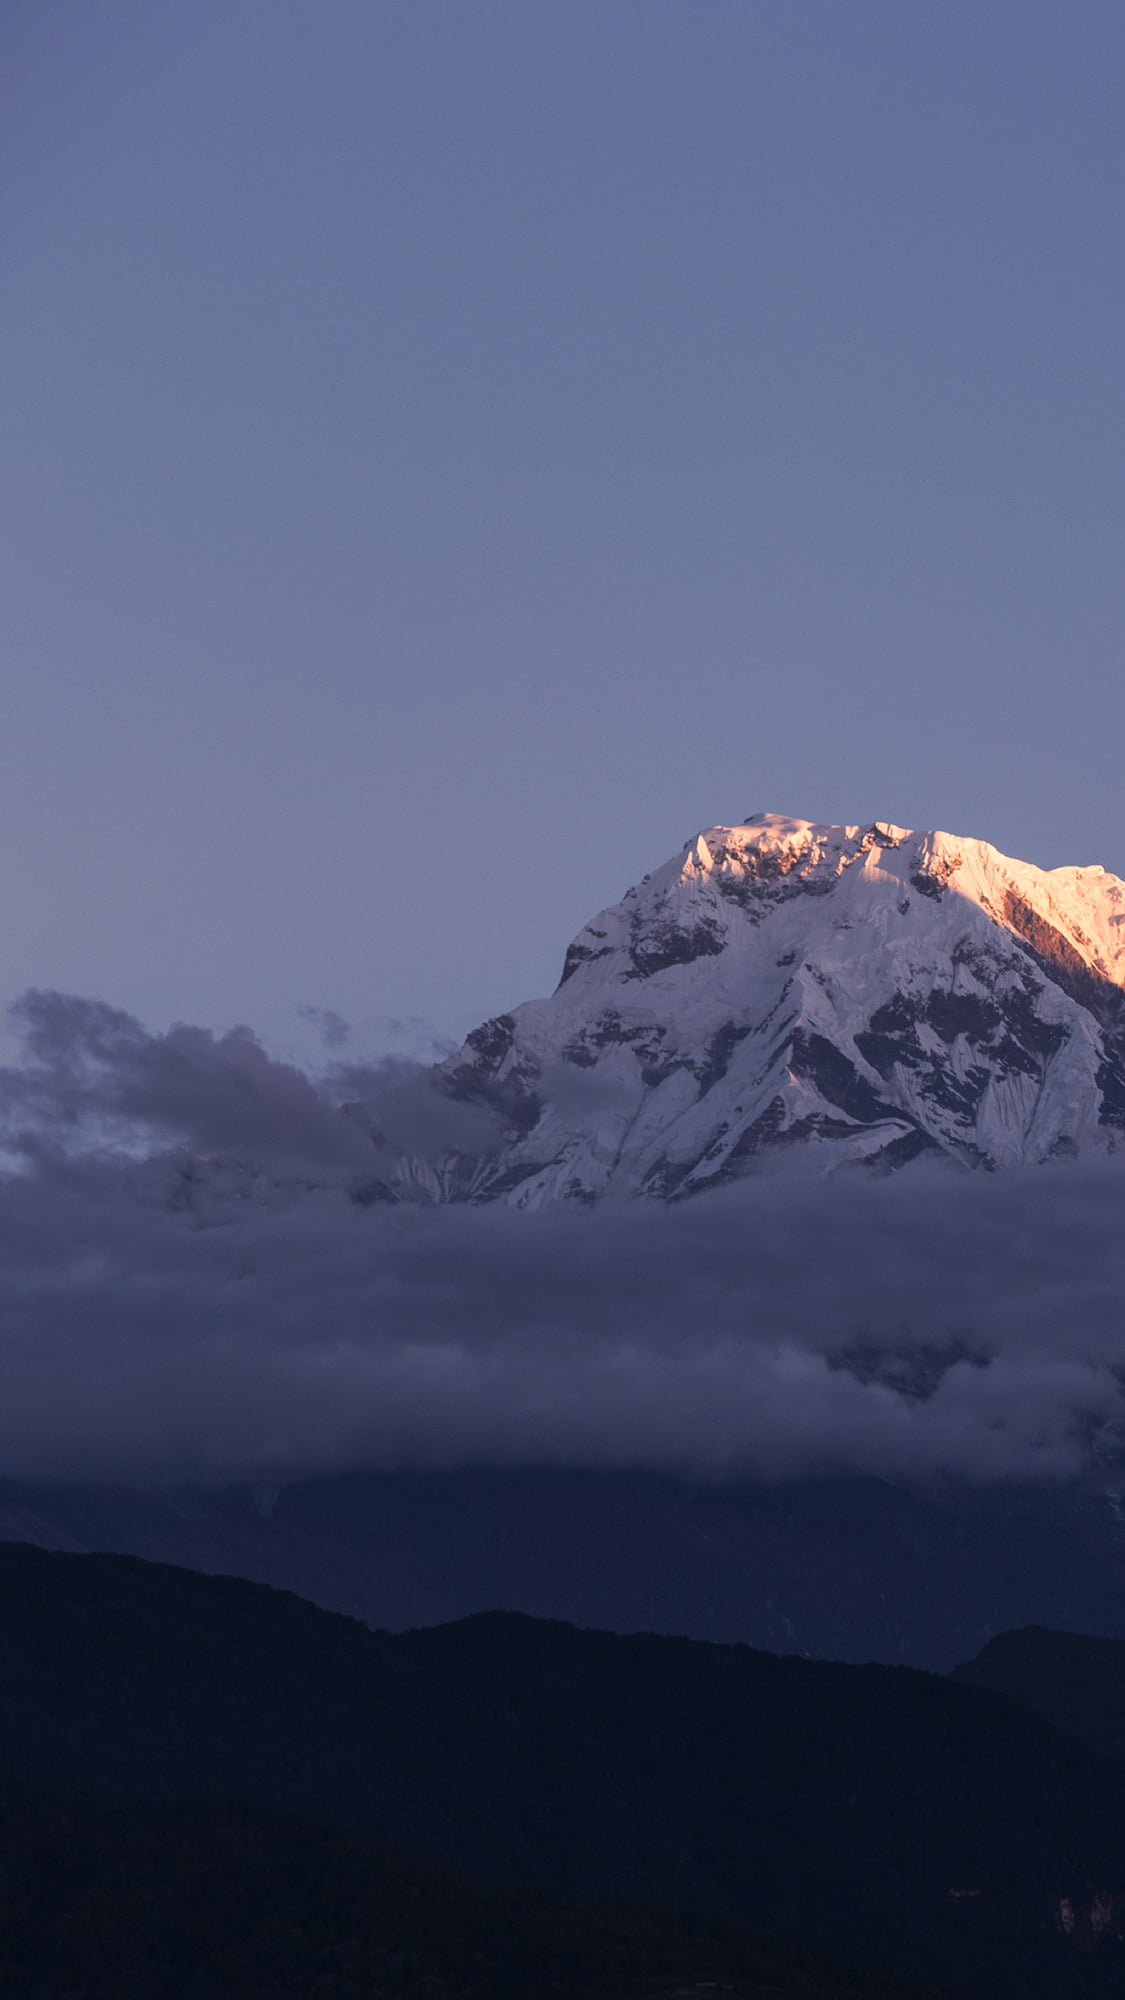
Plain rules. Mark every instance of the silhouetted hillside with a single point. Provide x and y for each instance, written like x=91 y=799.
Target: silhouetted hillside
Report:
x=827 y=1567
x=878 y=1814
x=1074 y=1681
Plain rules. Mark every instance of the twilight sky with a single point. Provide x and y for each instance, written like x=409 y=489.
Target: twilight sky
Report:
x=450 y=452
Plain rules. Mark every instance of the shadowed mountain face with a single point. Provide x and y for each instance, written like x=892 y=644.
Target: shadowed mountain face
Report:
x=851 y=1569
x=933 y=1829
x=863 y=993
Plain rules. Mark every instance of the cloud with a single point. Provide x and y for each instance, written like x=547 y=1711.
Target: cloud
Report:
x=334 y=1031
x=92 y=1077
x=161 y=1318
x=414 y=1116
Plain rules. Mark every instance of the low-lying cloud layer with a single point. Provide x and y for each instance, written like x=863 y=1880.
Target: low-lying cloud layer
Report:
x=926 y=1323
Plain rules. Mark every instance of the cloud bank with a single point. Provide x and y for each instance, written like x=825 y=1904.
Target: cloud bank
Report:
x=925 y=1324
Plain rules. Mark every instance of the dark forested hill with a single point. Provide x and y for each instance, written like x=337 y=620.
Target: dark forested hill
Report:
x=1073 y=1680
x=230 y=1902
x=878 y=1814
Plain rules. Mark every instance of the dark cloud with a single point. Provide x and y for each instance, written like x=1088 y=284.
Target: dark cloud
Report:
x=163 y=1317
x=93 y=1079
x=412 y=1115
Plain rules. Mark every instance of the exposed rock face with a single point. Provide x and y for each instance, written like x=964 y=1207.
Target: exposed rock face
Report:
x=865 y=993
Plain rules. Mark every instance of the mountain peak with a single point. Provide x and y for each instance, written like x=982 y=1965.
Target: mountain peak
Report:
x=866 y=993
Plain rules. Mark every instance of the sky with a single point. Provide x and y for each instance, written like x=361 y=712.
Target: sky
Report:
x=448 y=454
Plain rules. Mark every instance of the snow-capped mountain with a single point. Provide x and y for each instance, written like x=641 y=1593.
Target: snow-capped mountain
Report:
x=867 y=993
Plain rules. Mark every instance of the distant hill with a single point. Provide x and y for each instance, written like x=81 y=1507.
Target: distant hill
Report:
x=929 y=1828
x=827 y=1567
x=1073 y=1680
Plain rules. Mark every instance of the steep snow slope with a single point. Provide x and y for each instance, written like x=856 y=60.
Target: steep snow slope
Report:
x=865 y=992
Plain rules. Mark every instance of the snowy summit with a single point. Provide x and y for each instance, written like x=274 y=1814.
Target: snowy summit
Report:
x=867 y=993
